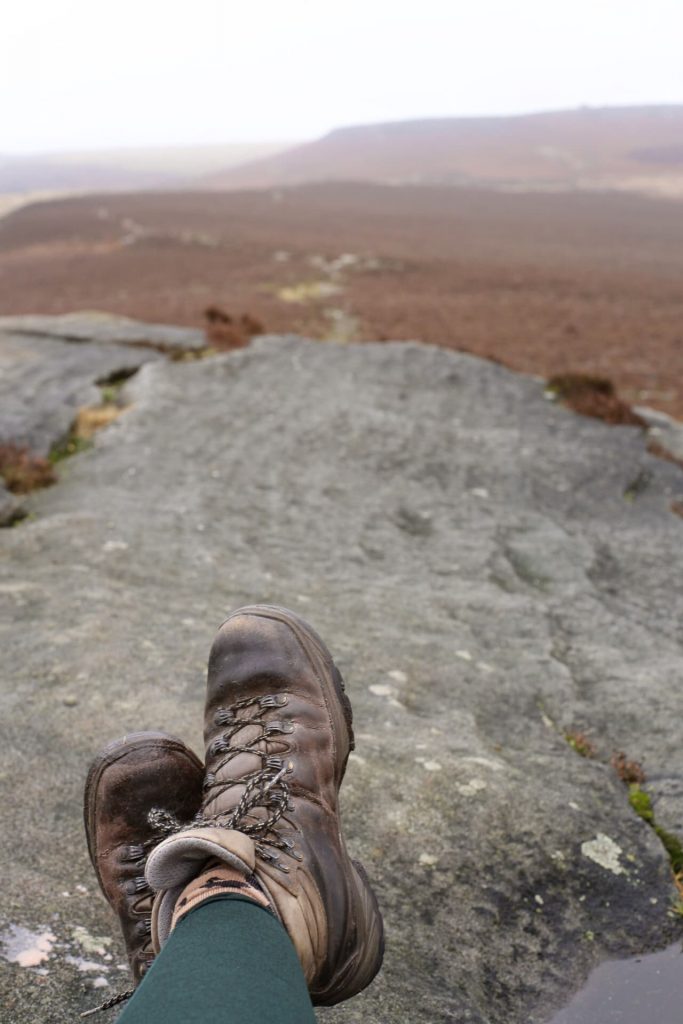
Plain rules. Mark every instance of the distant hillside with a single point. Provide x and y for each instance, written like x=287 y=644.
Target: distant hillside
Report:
x=638 y=148
x=123 y=169
x=33 y=174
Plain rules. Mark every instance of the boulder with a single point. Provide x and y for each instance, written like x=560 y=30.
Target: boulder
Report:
x=45 y=378
x=493 y=573
x=106 y=329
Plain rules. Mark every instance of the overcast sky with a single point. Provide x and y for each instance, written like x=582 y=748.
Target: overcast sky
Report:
x=78 y=74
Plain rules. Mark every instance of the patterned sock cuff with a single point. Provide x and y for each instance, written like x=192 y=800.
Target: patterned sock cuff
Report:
x=213 y=882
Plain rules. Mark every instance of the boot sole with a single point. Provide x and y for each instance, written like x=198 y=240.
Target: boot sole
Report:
x=377 y=915
x=109 y=755
x=355 y=977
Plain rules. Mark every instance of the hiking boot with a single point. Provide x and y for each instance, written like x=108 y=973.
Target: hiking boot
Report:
x=143 y=772
x=278 y=734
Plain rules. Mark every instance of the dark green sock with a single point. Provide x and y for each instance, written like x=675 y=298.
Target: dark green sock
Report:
x=228 y=961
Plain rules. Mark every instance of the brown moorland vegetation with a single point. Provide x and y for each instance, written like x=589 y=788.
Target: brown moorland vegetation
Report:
x=23 y=471
x=545 y=283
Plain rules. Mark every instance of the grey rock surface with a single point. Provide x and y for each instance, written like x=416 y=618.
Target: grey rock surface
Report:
x=8 y=506
x=105 y=329
x=663 y=429
x=44 y=380
x=488 y=577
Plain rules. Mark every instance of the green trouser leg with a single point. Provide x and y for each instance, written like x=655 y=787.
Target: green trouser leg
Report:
x=228 y=961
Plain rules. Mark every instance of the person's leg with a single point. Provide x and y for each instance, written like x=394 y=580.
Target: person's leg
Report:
x=227 y=960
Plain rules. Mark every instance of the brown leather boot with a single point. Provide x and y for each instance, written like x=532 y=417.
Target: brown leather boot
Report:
x=143 y=772
x=278 y=734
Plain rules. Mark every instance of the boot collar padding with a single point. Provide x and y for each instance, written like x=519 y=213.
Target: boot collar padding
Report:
x=181 y=857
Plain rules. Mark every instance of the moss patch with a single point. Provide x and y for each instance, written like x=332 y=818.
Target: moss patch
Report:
x=71 y=445
x=89 y=419
x=641 y=803
x=632 y=775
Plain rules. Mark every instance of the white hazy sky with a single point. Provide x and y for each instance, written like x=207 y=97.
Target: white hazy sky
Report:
x=78 y=74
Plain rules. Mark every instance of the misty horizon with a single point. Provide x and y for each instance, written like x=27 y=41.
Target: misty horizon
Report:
x=155 y=74
x=291 y=142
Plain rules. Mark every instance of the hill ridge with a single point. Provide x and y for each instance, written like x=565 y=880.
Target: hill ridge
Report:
x=586 y=147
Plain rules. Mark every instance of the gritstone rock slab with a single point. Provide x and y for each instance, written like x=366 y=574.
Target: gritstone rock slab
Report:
x=491 y=572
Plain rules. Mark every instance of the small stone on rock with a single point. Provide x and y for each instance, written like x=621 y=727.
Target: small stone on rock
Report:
x=381 y=690
x=398 y=676
x=114 y=545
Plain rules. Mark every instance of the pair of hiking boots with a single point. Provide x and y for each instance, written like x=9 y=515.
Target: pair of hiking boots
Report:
x=278 y=732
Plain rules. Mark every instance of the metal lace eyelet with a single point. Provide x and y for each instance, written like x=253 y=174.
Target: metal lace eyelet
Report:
x=134 y=852
x=209 y=780
x=266 y=854
x=135 y=885
x=274 y=763
x=219 y=746
x=272 y=858
x=224 y=716
x=282 y=727
x=277 y=700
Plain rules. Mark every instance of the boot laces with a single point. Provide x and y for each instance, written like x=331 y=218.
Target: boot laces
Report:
x=265 y=789
x=109 y=1003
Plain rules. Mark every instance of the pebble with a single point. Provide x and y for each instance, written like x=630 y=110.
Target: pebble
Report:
x=114 y=545
x=381 y=690
x=471 y=788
